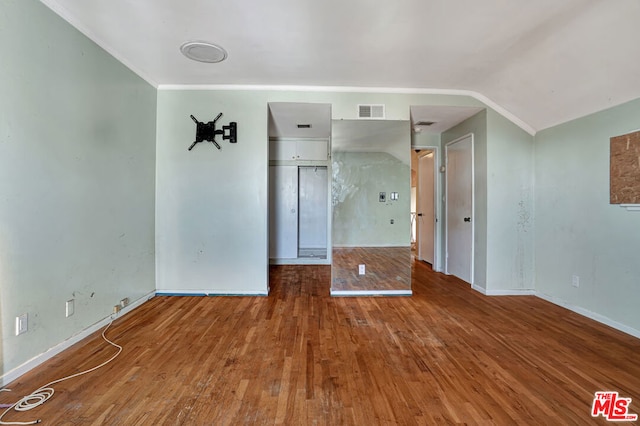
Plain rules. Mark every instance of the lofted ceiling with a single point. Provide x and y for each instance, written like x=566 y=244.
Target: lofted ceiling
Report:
x=544 y=62
x=389 y=136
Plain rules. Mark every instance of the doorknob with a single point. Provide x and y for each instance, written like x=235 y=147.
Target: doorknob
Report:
x=467 y=219
x=420 y=214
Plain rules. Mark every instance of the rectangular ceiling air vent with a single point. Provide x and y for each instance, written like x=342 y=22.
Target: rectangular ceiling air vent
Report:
x=425 y=123
x=370 y=111
x=304 y=126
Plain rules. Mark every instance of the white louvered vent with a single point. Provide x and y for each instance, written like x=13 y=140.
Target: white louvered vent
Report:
x=370 y=111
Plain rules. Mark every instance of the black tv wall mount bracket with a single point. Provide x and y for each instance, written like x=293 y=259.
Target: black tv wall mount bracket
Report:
x=208 y=132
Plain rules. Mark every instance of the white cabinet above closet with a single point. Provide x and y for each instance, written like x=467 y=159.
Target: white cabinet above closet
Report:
x=298 y=150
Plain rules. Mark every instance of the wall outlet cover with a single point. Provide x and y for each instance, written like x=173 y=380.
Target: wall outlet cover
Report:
x=69 y=308
x=361 y=269
x=575 y=281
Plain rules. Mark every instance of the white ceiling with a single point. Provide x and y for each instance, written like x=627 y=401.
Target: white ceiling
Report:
x=543 y=61
x=285 y=117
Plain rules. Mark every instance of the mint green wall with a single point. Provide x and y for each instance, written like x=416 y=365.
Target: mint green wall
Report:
x=211 y=215
x=359 y=218
x=577 y=230
x=425 y=139
x=77 y=181
x=510 y=210
x=478 y=126
x=211 y=206
x=503 y=162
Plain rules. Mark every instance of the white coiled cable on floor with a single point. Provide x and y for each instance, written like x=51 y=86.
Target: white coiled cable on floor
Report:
x=43 y=393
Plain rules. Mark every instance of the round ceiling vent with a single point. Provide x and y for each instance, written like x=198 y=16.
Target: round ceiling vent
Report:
x=202 y=51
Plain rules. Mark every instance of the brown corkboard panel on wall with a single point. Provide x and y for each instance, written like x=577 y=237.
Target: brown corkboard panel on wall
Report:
x=624 y=175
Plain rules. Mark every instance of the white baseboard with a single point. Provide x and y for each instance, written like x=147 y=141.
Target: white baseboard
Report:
x=506 y=292
x=370 y=246
x=479 y=289
x=590 y=314
x=300 y=261
x=210 y=293
x=36 y=361
x=564 y=304
x=371 y=292
x=12 y=375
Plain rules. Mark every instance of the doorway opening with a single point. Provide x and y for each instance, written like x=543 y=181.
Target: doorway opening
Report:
x=424 y=205
x=371 y=202
x=299 y=183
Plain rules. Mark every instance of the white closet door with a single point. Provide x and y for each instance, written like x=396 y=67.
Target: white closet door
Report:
x=459 y=187
x=283 y=212
x=313 y=207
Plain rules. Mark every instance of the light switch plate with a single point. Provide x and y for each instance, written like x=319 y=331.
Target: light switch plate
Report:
x=22 y=324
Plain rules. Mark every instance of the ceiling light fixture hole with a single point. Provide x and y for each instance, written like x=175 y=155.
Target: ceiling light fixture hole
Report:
x=203 y=51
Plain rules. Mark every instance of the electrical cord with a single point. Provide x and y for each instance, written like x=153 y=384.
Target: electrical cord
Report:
x=43 y=393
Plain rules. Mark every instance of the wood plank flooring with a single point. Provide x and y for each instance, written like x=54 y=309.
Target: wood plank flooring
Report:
x=446 y=355
x=387 y=268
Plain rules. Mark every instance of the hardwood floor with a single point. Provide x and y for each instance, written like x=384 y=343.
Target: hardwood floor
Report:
x=387 y=269
x=446 y=355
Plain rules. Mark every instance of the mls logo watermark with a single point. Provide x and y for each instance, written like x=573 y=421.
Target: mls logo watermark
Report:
x=612 y=407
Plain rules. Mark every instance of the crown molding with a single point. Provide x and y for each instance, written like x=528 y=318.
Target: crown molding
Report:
x=355 y=89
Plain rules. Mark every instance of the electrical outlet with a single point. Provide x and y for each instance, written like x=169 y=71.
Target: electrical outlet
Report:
x=124 y=302
x=22 y=324
x=116 y=309
x=575 y=281
x=69 y=308
x=360 y=269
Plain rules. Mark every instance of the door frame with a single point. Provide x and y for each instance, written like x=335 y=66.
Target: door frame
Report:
x=437 y=234
x=473 y=205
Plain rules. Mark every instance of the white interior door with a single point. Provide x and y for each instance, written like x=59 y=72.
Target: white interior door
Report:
x=425 y=219
x=283 y=212
x=459 y=206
